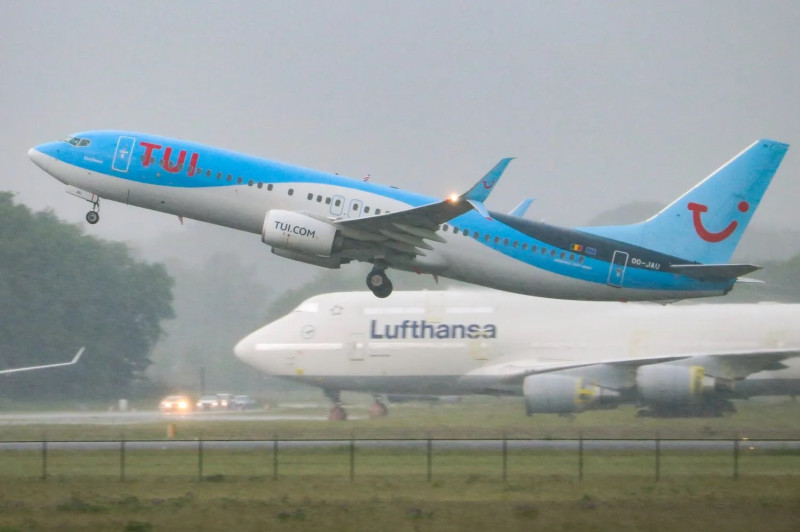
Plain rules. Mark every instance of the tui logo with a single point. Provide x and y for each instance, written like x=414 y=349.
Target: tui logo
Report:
x=709 y=236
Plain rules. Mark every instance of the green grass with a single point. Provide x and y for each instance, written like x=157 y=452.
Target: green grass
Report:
x=162 y=488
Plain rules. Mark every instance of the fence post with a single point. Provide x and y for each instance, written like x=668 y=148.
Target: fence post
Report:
x=505 y=457
x=122 y=458
x=200 y=459
x=44 y=458
x=352 y=458
x=736 y=458
x=430 y=459
x=275 y=457
x=580 y=456
x=658 y=456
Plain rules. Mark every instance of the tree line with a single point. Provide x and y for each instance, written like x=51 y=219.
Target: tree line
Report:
x=61 y=289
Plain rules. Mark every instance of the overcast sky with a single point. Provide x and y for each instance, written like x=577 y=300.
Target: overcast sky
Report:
x=602 y=103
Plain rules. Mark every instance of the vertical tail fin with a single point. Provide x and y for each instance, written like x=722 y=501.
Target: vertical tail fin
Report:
x=707 y=222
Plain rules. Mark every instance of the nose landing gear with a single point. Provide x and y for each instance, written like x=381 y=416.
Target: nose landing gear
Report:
x=378 y=282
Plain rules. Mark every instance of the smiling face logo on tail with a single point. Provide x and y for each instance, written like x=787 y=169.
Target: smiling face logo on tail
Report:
x=697 y=210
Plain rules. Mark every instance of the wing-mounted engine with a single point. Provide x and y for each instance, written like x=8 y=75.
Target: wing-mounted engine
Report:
x=300 y=237
x=667 y=384
x=564 y=394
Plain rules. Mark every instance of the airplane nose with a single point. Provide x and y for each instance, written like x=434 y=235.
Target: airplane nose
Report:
x=244 y=349
x=39 y=159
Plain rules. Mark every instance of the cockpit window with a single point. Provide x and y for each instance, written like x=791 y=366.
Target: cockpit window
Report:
x=77 y=141
x=308 y=307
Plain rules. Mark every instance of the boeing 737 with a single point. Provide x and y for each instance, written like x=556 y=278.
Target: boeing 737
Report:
x=329 y=220
x=561 y=356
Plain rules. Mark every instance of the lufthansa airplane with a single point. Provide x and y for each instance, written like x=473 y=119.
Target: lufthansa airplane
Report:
x=329 y=220
x=561 y=356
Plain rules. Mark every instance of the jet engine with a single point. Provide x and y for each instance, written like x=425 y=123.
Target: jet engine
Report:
x=670 y=384
x=299 y=233
x=563 y=394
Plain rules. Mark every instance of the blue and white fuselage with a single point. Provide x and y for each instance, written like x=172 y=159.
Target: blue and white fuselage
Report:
x=328 y=220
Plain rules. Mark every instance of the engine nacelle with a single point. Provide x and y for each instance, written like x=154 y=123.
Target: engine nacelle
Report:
x=562 y=394
x=672 y=384
x=303 y=234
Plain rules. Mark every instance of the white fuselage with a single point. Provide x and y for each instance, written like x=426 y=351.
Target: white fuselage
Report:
x=425 y=342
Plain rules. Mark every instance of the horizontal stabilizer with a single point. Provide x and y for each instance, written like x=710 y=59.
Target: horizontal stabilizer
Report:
x=713 y=272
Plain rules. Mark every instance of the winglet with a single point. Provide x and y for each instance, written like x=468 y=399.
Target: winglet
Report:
x=481 y=190
x=29 y=368
x=480 y=207
x=520 y=210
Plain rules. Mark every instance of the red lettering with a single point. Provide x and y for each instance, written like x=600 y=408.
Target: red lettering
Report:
x=192 y=164
x=148 y=152
x=167 y=164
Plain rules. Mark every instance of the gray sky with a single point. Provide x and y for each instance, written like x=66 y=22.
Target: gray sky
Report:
x=603 y=103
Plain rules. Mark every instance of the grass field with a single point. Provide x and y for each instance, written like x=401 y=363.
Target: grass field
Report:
x=394 y=489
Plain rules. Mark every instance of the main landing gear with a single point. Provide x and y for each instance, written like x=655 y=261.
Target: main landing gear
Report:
x=378 y=408
x=337 y=413
x=378 y=282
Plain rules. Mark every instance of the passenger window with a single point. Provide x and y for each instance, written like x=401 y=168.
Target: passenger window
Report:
x=291 y=191
x=208 y=173
x=497 y=240
x=486 y=237
x=260 y=184
x=366 y=209
x=465 y=232
x=505 y=241
x=269 y=187
x=337 y=203
x=377 y=211
x=250 y=183
x=327 y=201
x=319 y=199
x=445 y=227
x=238 y=179
x=310 y=196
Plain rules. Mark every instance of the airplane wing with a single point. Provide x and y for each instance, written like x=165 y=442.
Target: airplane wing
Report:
x=406 y=231
x=734 y=365
x=30 y=368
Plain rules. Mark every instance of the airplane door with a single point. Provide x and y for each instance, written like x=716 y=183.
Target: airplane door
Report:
x=337 y=205
x=354 y=209
x=122 y=155
x=356 y=346
x=616 y=270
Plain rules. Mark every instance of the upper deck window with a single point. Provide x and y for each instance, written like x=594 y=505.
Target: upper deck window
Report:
x=77 y=141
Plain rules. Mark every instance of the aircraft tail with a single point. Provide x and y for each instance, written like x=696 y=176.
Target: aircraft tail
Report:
x=707 y=222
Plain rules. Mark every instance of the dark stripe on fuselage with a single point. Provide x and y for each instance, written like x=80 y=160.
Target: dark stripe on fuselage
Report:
x=564 y=238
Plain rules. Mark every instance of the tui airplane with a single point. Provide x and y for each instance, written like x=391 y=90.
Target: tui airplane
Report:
x=329 y=220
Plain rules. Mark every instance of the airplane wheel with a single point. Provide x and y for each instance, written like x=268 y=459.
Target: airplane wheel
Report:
x=380 y=285
x=92 y=217
x=337 y=413
x=378 y=409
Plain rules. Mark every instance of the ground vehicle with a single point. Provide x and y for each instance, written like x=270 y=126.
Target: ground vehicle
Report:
x=243 y=402
x=215 y=401
x=175 y=404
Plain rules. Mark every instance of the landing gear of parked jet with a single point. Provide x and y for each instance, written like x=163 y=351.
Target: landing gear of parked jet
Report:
x=379 y=283
x=337 y=412
x=378 y=408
